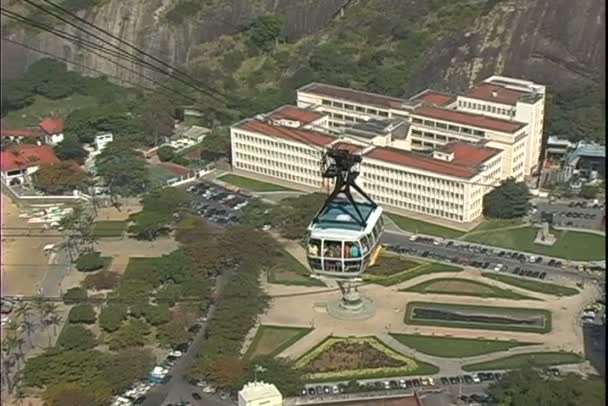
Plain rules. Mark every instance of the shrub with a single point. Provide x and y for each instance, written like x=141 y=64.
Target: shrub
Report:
x=101 y=280
x=156 y=315
x=76 y=338
x=75 y=296
x=112 y=316
x=83 y=313
x=166 y=153
x=89 y=262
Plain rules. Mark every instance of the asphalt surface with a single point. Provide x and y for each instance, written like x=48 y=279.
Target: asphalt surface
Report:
x=563 y=215
x=553 y=273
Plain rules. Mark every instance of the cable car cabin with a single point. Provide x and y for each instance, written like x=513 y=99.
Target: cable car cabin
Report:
x=338 y=244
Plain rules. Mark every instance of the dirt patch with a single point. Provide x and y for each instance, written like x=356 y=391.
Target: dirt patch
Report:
x=343 y=356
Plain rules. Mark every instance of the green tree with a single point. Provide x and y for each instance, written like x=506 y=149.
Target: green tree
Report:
x=126 y=367
x=149 y=225
x=509 y=200
x=166 y=153
x=131 y=334
x=112 y=316
x=72 y=394
x=173 y=334
x=280 y=372
x=82 y=313
x=71 y=149
x=59 y=177
x=101 y=280
x=75 y=337
x=76 y=295
x=155 y=119
x=265 y=31
x=589 y=192
x=122 y=168
x=216 y=144
x=528 y=387
x=89 y=262
x=16 y=94
x=156 y=315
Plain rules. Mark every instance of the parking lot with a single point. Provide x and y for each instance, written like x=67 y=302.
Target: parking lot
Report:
x=217 y=204
x=576 y=215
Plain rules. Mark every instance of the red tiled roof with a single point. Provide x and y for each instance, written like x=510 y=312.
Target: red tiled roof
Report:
x=467 y=159
x=355 y=96
x=28 y=132
x=474 y=120
x=486 y=91
x=432 y=97
x=296 y=114
x=302 y=136
x=52 y=126
x=176 y=169
x=24 y=156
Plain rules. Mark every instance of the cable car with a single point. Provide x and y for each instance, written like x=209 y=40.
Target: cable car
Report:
x=344 y=237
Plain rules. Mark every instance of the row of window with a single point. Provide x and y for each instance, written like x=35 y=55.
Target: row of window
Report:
x=449 y=127
x=275 y=144
x=352 y=107
x=417 y=207
x=277 y=174
x=291 y=157
x=399 y=176
x=277 y=164
x=419 y=190
x=485 y=107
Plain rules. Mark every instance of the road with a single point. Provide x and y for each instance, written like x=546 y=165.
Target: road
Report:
x=553 y=273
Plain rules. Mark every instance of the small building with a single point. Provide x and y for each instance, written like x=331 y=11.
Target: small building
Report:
x=53 y=130
x=102 y=140
x=19 y=162
x=260 y=394
x=557 y=148
x=588 y=160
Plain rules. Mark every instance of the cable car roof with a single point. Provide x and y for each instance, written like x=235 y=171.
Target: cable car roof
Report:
x=341 y=215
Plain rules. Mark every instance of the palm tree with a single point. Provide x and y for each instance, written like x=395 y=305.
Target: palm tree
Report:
x=54 y=320
x=23 y=312
x=29 y=327
x=9 y=345
x=39 y=305
x=19 y=344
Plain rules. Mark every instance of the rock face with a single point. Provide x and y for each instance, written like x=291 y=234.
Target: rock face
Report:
x=556 y=42
x=551 y=41
x=142 y=22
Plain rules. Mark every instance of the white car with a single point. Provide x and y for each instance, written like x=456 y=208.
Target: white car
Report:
x=209 y=389
x=266 y=227
x=425 y=381
x=431 y=381
x=476 y=378
x=402 y=383
x=413 y=238
x=175 y=354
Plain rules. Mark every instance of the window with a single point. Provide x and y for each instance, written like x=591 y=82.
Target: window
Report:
x=429 y=123
x=332 y=249
x=385 y=114
x=326 y=102
x=453 y=128
x=441 y=125
x=359 y=108
x=466 y=130
x=417 y=120
x=339 y=105
x=349 y=106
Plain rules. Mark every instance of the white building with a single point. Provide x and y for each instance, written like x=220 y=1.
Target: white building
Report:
x=102 y=140
x=19 y=162
x=260 y=394
x=53 y=130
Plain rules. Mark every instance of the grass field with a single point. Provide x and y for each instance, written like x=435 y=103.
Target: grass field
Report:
x=573 y=245
x=271 y=340
x=109 y=228
x=454 y=347
x=464 y=287
x=421 y=227
x=289 y=271
x=389 y=265
x=540 y=287
x=486 y=311
x=158 y=176
x=536 y=359
x=42 y=107
x=422 y=269
x=252 y=184
x=492 y=224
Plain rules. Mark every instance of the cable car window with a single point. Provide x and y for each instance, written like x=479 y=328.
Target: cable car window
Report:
x=375 y=232
x=333 y=266
x=351 y=250
x=332 y=249
x=314 y=247
x=364 y=245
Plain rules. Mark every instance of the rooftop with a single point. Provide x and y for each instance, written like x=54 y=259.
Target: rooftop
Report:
x=465 y=164
x=493 y=92
x=356 y=96
x=434 y=97
x=350 y=147
x=374 y=127
x=405 y=400
x=52 y=126
x=590 y=150
x=258 y=390
x=304 y=116
x=474 y=120
x=24 y=156
x=294 y=135
x=27 y=132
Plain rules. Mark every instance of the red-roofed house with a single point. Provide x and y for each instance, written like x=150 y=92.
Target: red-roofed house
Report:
x=18 y=162
x=53 y=130
x=296 y=117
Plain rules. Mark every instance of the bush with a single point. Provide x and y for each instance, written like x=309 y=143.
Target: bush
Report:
x=76 y=338
x=166 y=153
x=156 y=315
x=83 y=313
x=101 y=280
x=75 y=296
x=112 y=316
x=89 y=262
x=131 y=334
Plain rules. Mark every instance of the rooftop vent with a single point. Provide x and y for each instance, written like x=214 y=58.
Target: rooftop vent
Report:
x=494 y=94
x=343 y=217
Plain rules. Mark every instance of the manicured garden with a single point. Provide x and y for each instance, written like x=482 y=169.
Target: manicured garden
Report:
x=464 y=287
x=340 y=358
x=422 y=227
x=454 y=347
x=419 y=270
x=572 y=245
x=252 y=184
x=478 y=317
x=536 y=359
x=109 y=228
x=389 y=265
x=287 y=270
x=272 y=340
x=540 y=287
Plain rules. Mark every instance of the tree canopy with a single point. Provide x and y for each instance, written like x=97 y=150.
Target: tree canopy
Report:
x=507 y=201
x=82 y=313
x=264 y=32
x=60 y=177
x=71 y=149
x=122 y=168
x=76 y=337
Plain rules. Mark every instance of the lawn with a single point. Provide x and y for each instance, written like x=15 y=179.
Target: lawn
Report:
x=158 y=176
x=252 y=184
x=42 y=107
x=454 y=347
x=478 y=317
x=572 y=245
x=536 y=359
x=421 y=227
x=109 y=228
x=289 y=271
x=422 y=269
x=342 y=358
x=464 y=287
x=271 y=340
x=492 y=224
x=389 y=265
x=540 y=287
